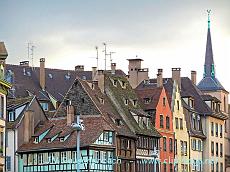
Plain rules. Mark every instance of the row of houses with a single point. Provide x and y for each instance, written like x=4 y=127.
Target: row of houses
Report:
x=131 y=122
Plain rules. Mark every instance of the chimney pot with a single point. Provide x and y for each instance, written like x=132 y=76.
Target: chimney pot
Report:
x=79 y=68
x=24 y=63
x=94 y=72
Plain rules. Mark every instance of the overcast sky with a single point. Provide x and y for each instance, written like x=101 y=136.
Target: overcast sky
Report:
x=164 y=33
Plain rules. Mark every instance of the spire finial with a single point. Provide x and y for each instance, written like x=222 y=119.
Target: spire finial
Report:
x=209 y=11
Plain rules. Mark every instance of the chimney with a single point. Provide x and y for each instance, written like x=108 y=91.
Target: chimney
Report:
x=113 y=68
x=24 y=63
x=193 y=77
x=42 y=73
x=28 y=129
x=70 y=114
x=79 y=68
x=94 y=72
x=160 y=78
x=101 y=80
x=176 y=76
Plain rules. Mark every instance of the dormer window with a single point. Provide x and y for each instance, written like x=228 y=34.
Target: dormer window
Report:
x=11 y=116
x=191 y=103
x=36 y=140
x=61 y=139
x=213 y=105
x=49 y=140
x=115 y=83
x=147 y=100
x=135 y=102
x=198 y=122
x=194 y=120
x=101 y=100
x=93 y=86
x=126 y=101
x=44 y=106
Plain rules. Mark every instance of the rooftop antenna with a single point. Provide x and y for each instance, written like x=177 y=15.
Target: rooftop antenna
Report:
x=105 y=53
x=97 y=55
x=32 y=56
x=110 y=55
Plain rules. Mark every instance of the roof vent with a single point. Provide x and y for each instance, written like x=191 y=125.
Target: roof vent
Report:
x=84 y=77
x=67 y=76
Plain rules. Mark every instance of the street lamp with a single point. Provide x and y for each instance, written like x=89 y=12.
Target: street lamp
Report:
x=78 y=126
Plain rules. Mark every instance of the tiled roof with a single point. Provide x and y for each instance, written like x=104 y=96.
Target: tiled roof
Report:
x=117 y=94
x=3 y=51
x=152 y=93
x=58 y=81
x=210 y=84
x=88 y=136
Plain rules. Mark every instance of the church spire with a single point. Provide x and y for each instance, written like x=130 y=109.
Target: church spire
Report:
x=209 y=68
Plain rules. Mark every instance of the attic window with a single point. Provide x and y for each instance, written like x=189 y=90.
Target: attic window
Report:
x=191 y=103
x=62 y=139
x=67 y=77
x=49 y=140
x=28 y=73
x=11 y=116
x=119 y=122
x=84 y=77
x=164 y=101
x=115 y=83
x=50 y=76
x=146 y=100
x=101 y=100
x=135 y=102
x=36 y=140
x=126 y=101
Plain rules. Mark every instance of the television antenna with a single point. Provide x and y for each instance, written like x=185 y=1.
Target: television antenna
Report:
x=30 y=53
x=105 y=53
x=110 y=55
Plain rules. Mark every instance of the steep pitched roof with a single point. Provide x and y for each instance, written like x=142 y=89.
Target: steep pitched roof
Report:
x=117 y=94
x=58 y=126
x=152 y=93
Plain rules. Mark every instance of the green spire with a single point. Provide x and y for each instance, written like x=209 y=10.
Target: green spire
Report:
x=209 y=11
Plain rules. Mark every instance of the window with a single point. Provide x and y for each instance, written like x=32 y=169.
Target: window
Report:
x=2 y=107
x=216 y=130
x=63 y=156
x=181 y=124
x=212 y=167
x=171 y=168
x=115 y=82
x=217 y=167
x=164 y=101
x=199 y=145
x=182 y=147
x=178 y=105
x=147 y=100
x=134 y=102
x=185 y=148
x=161 y=121
x=221 y=167
x=217 y=149
x=176 y=119
x=212 y=148
x=191 y=103
x=171 y=145
x=194 y=165
x=221 y=131
x=221 y=150
x=167 y=122
x=44 y=106
x=126 y=101
x=194 y=121
x=8 y=163
x=164 y=143
x=212 y=129
x=193 y=144
x=36 y=140
x=11 y=116
x=175 y=146
x=165 y=167
x=40 y=158
x=198 y=122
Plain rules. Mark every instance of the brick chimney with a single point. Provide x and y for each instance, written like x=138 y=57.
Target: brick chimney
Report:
x=28 y=129
x=42 y=73
x=79 y=68
x=193 y=77
x=94 y=72
x=70 y=114
x=160 y=78
x=113 y=68
x=176 y=76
